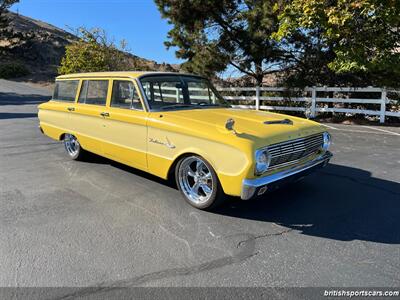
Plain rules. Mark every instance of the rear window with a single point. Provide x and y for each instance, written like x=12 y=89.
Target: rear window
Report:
x=66 y=90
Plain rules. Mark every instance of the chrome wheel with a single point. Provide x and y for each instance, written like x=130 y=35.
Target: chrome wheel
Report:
x=71 y=145
x=195 y=180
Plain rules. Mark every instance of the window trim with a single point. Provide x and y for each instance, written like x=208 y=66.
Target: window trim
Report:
x=142 y=95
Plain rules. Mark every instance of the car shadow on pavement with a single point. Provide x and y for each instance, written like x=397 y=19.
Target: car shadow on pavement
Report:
x=18 y=99
x=16 y=115
x=337 y=202
x=92 y=158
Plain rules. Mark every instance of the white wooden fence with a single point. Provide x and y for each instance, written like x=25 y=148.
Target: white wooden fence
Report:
x=313 y=104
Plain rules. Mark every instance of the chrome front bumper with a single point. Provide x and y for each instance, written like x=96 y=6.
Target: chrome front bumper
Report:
x=250 y=186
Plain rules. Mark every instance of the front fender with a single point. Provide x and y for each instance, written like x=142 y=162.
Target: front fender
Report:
x=231 y=163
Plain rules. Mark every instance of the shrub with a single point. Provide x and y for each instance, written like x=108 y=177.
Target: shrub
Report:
x=12 y=70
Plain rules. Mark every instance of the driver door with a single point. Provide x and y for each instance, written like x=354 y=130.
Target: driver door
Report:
x=125 y=125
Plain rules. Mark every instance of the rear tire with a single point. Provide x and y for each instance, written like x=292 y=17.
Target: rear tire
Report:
x=198 y=183
x=73 y=148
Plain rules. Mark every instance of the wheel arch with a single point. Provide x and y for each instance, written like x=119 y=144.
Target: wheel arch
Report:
x=171 y=170
x=187 y=153
x=62 y=136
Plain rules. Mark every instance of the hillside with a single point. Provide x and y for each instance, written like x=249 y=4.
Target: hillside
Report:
x=40 y=47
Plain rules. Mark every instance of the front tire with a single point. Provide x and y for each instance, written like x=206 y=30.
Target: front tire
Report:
x=198 y=183
x=73 y=148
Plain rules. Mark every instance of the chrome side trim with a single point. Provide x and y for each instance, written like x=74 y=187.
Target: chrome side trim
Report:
x=249 y=186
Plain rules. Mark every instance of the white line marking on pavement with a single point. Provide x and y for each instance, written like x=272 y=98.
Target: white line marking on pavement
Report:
x=331 y=127
x=391 y=132
x=362 y=131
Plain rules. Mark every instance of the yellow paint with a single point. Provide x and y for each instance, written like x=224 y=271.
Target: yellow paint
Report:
x=97 y=75
x=125 y=135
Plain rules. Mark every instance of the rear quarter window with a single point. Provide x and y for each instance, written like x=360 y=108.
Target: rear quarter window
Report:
x=65 y=90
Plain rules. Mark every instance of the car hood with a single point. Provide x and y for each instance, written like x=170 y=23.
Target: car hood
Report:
x=249 y=124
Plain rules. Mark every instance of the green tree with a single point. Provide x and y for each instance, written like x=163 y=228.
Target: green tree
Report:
x=212 y=35
x=362 y=37
x=94 y=52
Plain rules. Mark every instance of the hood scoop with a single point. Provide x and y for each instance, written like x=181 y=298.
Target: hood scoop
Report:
x=284 y=121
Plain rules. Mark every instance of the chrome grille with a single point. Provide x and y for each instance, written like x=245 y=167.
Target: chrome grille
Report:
x=288 y=153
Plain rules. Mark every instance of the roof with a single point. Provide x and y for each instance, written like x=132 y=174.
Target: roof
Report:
x=130 y=74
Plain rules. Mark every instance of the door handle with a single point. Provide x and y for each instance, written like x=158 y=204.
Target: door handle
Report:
x=105 y=114
x=71 y=109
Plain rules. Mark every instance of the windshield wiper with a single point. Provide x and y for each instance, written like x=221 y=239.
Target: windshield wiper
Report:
x=284 y=121
x=177 y=106
x=213 y=104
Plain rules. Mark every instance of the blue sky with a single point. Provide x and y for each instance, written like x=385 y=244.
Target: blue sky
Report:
x=137 y=21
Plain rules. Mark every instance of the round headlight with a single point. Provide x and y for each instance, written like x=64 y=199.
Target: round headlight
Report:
x=327 y=141
x=263 y=160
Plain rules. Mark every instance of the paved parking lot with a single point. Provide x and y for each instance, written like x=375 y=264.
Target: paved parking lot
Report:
x=67 y=223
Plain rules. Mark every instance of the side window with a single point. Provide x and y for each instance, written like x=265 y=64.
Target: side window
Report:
x=94 y=92
x=65 y=90
x=124 y=95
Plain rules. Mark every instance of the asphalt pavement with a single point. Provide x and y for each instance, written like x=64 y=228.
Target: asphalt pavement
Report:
x=99 y=223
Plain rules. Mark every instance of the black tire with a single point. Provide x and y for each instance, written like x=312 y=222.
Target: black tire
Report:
x=73 y=148
x=210 y=201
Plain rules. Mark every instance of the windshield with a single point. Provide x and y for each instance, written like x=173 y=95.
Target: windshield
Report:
x=168 y=92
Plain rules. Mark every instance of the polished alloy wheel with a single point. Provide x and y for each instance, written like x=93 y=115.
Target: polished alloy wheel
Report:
x=71 y=145
x=195 y=180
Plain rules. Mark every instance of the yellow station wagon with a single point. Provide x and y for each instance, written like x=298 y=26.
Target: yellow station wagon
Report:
x=177 y=126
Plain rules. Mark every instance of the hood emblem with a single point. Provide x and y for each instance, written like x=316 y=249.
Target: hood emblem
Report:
x=284 y=121
x=229 y=125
